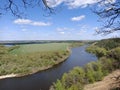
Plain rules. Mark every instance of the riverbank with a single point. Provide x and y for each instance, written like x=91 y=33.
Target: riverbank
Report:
x=60 y=60
x=42 y=69
x=8 y=76
x=108 y=83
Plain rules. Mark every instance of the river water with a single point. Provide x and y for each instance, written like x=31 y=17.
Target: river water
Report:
x=43 y=80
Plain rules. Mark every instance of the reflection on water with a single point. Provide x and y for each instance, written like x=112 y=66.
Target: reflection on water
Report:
x=43 y=80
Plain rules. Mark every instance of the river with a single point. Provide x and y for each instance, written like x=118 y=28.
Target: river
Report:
x=44 y=79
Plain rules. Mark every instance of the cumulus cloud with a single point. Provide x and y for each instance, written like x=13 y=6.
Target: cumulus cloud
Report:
x=78 y=18
x=30 y=22
x=81 y=3
x=72 y=3
x=75 y=3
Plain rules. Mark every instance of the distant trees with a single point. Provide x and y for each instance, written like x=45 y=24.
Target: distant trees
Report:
x=109 y=12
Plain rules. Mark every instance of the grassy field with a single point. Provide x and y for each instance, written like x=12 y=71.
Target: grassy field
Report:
x=32 y=48
x=30 y=58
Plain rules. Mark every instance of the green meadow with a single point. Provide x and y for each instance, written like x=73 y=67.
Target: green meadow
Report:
x=32 y=48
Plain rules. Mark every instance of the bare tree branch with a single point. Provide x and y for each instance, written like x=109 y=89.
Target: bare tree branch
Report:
x=14 y=7
x=109 y=12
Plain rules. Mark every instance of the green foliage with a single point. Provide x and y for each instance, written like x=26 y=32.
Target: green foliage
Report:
x=59 y=85
x=109 y=44
x=89 y=73
x=115 y=53
x=107 y=64
x=98 y=71
x=97 y=50
x=73 y=80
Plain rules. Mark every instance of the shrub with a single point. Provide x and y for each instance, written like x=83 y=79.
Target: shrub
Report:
x=89 y=73
x=97 y=50
x=58 y=85
x=115 y=53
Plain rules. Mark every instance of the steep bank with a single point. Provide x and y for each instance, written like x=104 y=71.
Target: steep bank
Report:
x=108 y=83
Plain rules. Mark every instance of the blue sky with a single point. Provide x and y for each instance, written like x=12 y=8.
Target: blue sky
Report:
x=72 y=21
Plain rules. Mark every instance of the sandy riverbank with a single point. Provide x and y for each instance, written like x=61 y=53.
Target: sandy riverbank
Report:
x=8 y=76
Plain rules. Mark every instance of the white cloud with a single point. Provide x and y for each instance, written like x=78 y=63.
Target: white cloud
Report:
x=62 y=32
x=64 y=29
x=71 y=3
x=78 y=18
x=54 y=3
x=81 y=3
x=22 y=21
x=30 y=22
x=75 y=3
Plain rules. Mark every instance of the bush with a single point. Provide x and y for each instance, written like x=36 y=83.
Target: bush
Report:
x=59 y=85
x=89 y=73
x=107 y=65
x=97 y=51
x=115 y=53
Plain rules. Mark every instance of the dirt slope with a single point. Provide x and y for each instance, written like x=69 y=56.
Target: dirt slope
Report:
x=110 y=81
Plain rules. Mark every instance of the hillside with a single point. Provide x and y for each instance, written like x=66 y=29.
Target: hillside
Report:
x=109 y=43
x=110 y=82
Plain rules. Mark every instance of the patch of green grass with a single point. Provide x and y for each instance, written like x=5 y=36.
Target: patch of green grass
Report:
x=32 y=48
